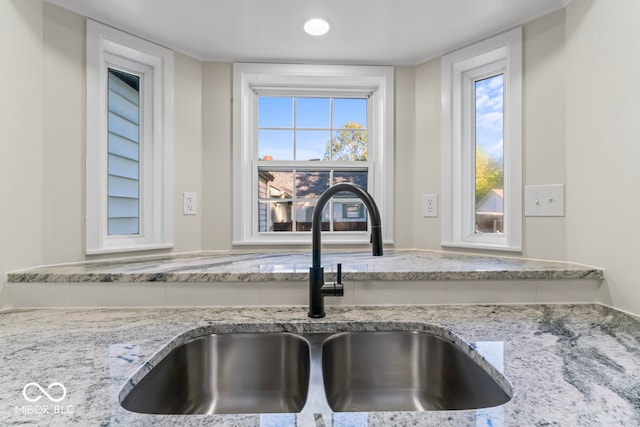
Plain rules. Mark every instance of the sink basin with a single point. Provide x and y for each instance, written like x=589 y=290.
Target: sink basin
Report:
x=404 y=371
x=227 y=374
x=241 y=373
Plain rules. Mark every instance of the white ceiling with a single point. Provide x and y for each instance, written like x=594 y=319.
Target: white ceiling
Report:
x=380 y=32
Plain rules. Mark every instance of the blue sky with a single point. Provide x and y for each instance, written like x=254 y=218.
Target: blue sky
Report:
x=278 y=112
x=490 y=115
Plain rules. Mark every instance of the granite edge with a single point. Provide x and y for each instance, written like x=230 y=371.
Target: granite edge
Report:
x=44 y=277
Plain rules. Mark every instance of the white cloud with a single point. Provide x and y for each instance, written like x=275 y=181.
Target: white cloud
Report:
x=496 y=82
x=495 y=150
x=491 y=121
x=490 y=94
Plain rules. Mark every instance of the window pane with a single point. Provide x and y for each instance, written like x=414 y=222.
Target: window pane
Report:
x=313 y=113
x=354 y=177
x=123 y=226
x=275 y=184
x=349 y=110
x=312 y=144
x=120 y=166
x=275 y=145
x=349 y=145
x=304 y=214
x=123 y=147
x=349 y=216
x=123 y=137
x=123 y=214
x=274 y=216
x=124 y=90
x=312 y=184
x=123 y=187
x=275 y=112
x=121 y=207
x=489 y=137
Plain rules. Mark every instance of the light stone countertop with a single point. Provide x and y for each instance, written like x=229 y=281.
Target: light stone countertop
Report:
x=294 y=266
x=569 y=365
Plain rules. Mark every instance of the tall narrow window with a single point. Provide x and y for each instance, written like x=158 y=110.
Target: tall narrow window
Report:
x=489 y=154
x=124 y=153
x=482 y=144
x=129 y=142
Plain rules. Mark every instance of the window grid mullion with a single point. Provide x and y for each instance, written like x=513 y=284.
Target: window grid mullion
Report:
x=473 y=176
x=330 y=184
x=295 y=129
x=294 y=199
x=331 y=131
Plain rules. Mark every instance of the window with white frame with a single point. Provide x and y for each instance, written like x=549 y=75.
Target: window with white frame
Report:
x=300 y=129
x=129 y=142
x=482 y=144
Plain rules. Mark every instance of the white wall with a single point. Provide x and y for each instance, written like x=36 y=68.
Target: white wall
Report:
x=216 y=100
x=42 y=145
x=580 y=127
x=188 y=149
x=425 y=155
x=63 y=139
x=543 y=136
x=603 y=144
x=63 y=142
x=404 y=157
x=203 y=140
x=544 y=129
x=21 y=153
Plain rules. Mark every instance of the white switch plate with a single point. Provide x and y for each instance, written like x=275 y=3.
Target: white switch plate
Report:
x=544 y=200
x=429 y=205
x=190 y=203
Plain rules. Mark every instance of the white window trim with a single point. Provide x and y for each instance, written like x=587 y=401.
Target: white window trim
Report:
x=500 y=53
x=108 y=46
x=248 y=79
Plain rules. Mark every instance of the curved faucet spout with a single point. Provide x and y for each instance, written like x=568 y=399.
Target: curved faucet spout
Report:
x=316 y=272
x=372 y=208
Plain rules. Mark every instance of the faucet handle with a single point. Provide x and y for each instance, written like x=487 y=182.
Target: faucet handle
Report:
x=339 y=274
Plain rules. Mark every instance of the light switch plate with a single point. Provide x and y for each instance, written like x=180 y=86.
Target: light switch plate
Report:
x=544 y=200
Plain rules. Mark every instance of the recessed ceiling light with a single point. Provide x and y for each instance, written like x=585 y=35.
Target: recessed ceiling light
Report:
x=316 y=27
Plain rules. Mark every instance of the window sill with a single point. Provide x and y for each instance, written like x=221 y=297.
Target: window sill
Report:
x=304 y=239
x=137 y=248
x=484 y=246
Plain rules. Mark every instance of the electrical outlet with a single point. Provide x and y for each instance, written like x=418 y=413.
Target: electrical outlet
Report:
x=190 y=203
x=429 y=205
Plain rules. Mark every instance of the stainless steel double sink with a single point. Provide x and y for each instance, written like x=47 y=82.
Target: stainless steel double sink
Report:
x=318 y=372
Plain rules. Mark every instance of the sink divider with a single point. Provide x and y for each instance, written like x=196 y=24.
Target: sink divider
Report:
x=316 y=397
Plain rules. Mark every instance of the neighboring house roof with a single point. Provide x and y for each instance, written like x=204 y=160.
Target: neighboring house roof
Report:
x=492 y=202
x=308 y=184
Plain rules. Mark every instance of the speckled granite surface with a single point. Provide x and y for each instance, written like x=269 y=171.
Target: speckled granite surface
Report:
x=260 y=267
x=569 y=365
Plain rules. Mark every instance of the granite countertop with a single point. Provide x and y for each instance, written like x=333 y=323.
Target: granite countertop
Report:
x=569 y=365
x=294 y=266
